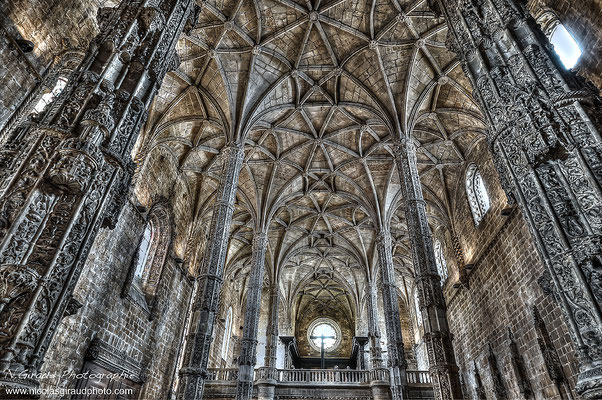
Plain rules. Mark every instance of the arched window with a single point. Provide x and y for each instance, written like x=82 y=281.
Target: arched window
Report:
x=417 y=309
x=477 y=194
x=49 y=96
x=565 y=46
x=143 y=253
x=147 y=264
x=227 y=334
x=564 y=43
x=440 y=261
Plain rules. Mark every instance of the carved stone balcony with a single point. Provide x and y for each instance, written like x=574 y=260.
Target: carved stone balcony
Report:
x=318 y=383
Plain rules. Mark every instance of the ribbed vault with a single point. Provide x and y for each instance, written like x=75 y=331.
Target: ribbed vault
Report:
x=316 y=90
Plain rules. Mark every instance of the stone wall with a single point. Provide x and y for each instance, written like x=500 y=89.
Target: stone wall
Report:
x=503 y=290
x=151 y=340
x=407 y=330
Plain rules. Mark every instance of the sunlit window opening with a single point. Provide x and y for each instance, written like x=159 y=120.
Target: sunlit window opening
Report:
x=143 y=253
x=565 y=46
x=324 y=329
x=417 y=307
x=440 y=261
x=227 y=333
x=477 y=193
x=48 y=97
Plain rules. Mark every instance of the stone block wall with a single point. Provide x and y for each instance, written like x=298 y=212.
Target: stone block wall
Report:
x=407 y=331
x=121 y=322
x=16 y=79
x=503 y=290
x=502 y=293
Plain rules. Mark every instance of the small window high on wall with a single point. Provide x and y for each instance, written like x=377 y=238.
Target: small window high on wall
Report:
x=564 y=43
x=440 y=261
x=417 y=309
x=477 y=193
x=49 y=97
x=143 y=253
x=227 y=334
x=565 y=46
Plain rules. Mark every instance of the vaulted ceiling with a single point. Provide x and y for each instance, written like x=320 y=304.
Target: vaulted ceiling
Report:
x=316 y=90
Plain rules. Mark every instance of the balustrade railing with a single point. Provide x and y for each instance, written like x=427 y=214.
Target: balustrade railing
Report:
x=222 y=374
x=419 y=378
x=343 y=376
x=380 y=374
x=324 y=375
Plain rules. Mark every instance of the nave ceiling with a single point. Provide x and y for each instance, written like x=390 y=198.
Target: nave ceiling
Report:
x=315 y=90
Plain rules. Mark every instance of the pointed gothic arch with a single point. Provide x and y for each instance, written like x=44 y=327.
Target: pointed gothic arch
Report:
x=440 y=261
x=477 y=193
x=150 y=257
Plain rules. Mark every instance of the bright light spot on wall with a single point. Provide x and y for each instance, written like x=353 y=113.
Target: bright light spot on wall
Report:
x=48 y=97
x=565 y=46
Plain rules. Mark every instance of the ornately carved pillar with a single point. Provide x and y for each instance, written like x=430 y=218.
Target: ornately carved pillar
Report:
x=443 y=368
x=210 y=279
x=395 y=351
x=266 y=380
x=271 y=346
x=376 y=356
x=544 y=134
x=248 y=349
x=66 y=174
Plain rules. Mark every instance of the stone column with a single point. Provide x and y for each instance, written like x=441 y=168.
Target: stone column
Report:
x=210 y=279
x=361 y=342
x=66 y=174
x=271 y=346
x=395 y=351
x=544 y=134
x=248 y=350
x=376 y=355
x=438 y=339
x=289 y=345
x=380 y=381
x=268 y=376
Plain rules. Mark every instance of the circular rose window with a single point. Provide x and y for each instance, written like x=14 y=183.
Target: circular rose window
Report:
x=324 y=329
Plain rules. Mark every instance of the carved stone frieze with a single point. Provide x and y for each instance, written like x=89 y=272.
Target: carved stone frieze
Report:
x=59 y=181
x=544 y=134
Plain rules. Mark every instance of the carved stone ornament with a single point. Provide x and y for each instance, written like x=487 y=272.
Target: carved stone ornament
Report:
x=72 y=307
x=62 y=177
x=544 y=135
x=438 y=339
x=114 y=360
